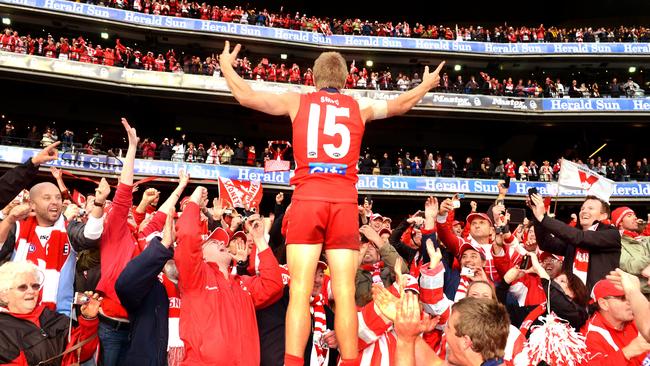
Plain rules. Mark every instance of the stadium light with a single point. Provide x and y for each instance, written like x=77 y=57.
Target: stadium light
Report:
x=458 y=68
x=632 y=69
x=6 y=21
x=178 y=128
x=104 y=35
x=369 y=63
x=283 y=56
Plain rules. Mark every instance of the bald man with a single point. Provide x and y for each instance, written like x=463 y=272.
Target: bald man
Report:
x=38 y=232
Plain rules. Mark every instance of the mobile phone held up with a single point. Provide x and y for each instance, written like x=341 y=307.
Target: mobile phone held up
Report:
x=526 y=262
x=80 y=298
x=531 y=192
x=506 y=183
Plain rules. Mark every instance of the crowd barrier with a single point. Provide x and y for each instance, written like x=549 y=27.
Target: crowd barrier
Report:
x=335 y=41
x=376 y=184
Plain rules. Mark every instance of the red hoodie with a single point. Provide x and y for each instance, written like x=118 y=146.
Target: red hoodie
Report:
x=217 y=321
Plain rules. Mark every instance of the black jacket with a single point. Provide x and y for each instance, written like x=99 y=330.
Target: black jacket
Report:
x=38 y=344
x=15 y=180
x=604 y=246
x=561 y=305
x=271 y=324
x=146 y=301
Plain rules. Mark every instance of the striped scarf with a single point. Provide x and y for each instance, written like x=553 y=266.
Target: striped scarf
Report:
x=317 y=310
x=461 y=292
x=375 y=271
x=581 y=260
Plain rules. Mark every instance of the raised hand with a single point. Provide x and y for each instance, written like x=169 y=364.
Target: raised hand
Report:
x=385 y=302
x=279 y=198
x=46 y=155
x=241 y=252
x=432 y=78
x=624 y=281
x=20 y=212
x=431 y=208
x=56 y=172
x=434 y=254
x=445 y=207
x=183 y=178
x=131 y=133
x=199 y=196
x=169 y=232
x=102 y=191
x=227 y=57
x=409 y=323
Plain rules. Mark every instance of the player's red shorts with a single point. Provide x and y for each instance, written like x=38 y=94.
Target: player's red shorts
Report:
x=336 y=225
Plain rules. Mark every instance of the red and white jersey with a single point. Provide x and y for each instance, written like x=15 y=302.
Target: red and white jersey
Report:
x=327 y=134
x=174 y=339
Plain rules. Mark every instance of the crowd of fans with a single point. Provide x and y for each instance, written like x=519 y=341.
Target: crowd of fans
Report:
x=295 y=21
x=184 y=281
x=432 y=164
x=120 y=55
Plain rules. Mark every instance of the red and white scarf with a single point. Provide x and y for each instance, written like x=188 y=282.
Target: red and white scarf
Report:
x=175 y=346
x=461 y=292
x=581 y=260
x=317 y=309
x=375 y=271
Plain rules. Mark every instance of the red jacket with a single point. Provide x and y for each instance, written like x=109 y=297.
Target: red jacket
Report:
x=217 y=321
x=606 y=343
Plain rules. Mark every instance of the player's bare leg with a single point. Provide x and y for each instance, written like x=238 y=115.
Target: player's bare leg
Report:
x=302 y=260
x=343 y=264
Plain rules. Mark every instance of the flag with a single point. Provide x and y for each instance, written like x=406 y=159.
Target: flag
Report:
x=78 y=199
x=275 y=165
x=574 y=176
x=238 y=193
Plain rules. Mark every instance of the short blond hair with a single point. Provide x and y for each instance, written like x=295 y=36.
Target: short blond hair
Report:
x=10 y=270
x=330 y=70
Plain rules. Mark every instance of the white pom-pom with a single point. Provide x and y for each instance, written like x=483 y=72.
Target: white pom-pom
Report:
x=554 y=342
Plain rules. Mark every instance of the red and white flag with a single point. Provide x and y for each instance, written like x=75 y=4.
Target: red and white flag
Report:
x=238 y=193
x=274 y=165
x=78 y=199
x=576 y=176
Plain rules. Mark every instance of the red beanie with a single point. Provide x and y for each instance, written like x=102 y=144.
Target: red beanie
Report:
x=619 y=214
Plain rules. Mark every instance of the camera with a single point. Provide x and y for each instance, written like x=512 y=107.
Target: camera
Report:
x=467 y=272
x=80 y=298
x=525 y=262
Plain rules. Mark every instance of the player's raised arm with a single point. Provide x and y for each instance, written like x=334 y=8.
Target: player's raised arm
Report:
x=274 y=104
x=407 y=100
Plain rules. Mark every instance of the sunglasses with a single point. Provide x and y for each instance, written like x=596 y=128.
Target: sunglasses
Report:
x=24 y=287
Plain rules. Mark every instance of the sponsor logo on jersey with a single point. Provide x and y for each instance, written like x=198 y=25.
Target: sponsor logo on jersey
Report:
x=316 y=168
x=66 y=249
x=32 y=248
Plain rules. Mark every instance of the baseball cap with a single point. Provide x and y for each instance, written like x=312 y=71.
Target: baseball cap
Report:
x=478 y=215
x=605 y=288
x=468 y=246
x=218 y=235
x=543 y=255
x=239 y=234
x=456 y=222
x=376 y=216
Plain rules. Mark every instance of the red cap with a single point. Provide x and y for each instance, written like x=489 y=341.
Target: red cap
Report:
x=384 y=231
x=239 y=234
x=219 y=235
x=543 y=255
x=604 y=288
x=376 y=216
x=467 y=246
x=477 y=215
x=619 y=214
x=456 y=222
